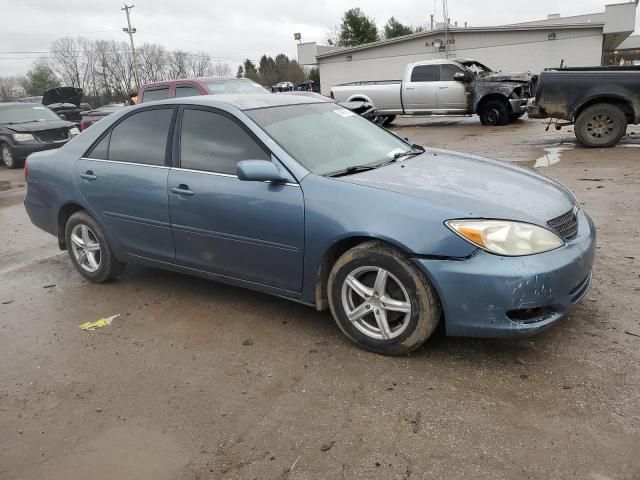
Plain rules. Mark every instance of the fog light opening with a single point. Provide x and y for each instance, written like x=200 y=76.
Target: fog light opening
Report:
x=530 y=315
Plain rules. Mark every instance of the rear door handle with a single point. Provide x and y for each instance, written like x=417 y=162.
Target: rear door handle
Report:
x=442 y=88
x=182 y=190
x=88 y=175
x=409 y=88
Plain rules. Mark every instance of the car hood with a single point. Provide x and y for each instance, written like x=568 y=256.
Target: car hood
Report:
x=62 y=95
x=521 y=77
x=39 y=126
x=472 y=187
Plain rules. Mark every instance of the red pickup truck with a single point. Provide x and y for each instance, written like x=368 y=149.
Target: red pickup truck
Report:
x=197 y=86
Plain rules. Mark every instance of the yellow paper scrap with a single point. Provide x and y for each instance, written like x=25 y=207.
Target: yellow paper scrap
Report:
x=103 y=322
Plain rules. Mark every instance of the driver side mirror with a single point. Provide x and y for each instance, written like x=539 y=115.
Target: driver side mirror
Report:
x=460 y=77
x=259 y=171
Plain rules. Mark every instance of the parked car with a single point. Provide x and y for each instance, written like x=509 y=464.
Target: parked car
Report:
x=198 y=86
x=89 y=117
x=446 y=87
x=600 y=101
x=30 y=127
x=298 y=197
x=65 y=101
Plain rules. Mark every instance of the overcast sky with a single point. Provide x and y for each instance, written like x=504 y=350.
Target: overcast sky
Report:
x=237 y=29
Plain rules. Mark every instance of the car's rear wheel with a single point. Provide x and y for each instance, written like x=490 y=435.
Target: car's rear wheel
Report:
x=89 y=249
x=494 y=113
x=8 y=160
x=381 y=301
x=600 y=125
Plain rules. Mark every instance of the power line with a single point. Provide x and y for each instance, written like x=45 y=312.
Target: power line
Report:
x=54 y=33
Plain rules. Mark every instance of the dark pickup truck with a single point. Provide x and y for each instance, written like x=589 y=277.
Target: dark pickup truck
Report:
x=600 y=101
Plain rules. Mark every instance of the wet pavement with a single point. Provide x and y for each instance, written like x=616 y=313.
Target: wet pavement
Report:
x=198 y=380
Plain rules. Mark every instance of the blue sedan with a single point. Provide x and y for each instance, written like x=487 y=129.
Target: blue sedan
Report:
x=298 y=197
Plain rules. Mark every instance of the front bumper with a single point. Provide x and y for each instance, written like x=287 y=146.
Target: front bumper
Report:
x=518 y=105
x=23 y=150
x=492 y=296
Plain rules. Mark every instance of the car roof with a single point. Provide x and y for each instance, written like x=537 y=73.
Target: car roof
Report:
x=195 y=79
x=246 y=101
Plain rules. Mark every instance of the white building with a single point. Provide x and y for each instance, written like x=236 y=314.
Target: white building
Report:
x=583 y=40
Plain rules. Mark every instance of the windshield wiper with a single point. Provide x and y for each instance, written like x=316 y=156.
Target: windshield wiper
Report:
x=351 y=170
x=415 y=150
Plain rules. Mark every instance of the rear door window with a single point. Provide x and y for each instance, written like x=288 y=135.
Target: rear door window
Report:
x=142 y=137
x=425 y=73
x=187 y=91
x=155 y=94
x=212 y=142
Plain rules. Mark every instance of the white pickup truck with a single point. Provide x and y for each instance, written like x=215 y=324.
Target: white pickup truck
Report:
x=446 y=87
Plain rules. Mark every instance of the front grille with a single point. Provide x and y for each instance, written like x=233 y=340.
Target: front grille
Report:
x=566 y=225
x=54 y=135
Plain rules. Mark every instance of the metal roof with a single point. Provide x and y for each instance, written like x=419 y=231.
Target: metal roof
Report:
x=454 y=30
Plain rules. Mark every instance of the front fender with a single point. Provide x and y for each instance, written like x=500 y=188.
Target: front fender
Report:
x=336 y=210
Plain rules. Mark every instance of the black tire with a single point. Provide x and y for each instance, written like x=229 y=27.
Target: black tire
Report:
x=6 y=155
x=109 y=267
x=408 y=330
x=494 y=113
x=600 y=125
x=388 y=120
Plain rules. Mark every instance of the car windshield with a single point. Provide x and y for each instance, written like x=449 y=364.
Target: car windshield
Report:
x=235 y=86
x=476 y=67
x=26 y=113
x=326 y=138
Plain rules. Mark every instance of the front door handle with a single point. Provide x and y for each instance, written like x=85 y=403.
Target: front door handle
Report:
x=182 y=190
x=88 y=175
x=442 y=88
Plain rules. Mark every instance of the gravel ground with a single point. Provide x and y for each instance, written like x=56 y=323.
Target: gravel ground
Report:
x=198 y=380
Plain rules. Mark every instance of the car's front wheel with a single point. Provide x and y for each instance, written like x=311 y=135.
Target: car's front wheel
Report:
x=381 y=301
x=89 y=249
x=494 y=113
x=6 y=154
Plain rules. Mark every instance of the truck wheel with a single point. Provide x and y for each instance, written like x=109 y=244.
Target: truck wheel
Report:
x=600 y=125
x=381 y=301
x=494 y=113
x=388 y=120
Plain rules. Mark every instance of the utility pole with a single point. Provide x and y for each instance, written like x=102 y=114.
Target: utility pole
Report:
x=131 y=30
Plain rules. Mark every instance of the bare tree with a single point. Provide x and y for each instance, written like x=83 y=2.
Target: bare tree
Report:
x=152 y=62
x=221 y=69
x=178 y=64
x=10 y=88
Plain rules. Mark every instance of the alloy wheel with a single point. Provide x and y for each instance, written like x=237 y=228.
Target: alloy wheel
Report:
x=376 y=302
x=86 y=248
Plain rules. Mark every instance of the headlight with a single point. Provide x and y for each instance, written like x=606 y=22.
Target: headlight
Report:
x=506 y=238
x=22 y=137
x=74 y=131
